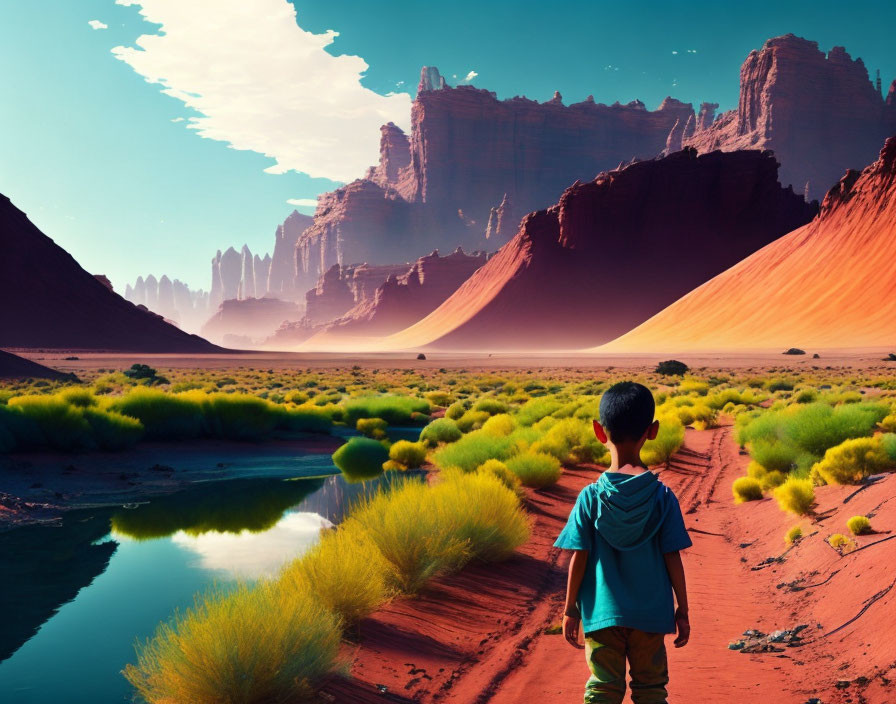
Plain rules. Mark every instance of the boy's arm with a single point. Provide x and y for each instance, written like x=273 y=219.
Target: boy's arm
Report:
x=676 y=577
x=571 y=616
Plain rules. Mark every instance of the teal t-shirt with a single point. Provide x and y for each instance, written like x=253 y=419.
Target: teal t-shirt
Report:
x=626 y=522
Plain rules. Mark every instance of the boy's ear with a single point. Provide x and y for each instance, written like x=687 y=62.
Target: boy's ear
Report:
x=600 y=432
x=652 y=430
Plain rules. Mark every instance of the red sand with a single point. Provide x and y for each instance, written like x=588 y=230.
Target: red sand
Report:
x=479 y=636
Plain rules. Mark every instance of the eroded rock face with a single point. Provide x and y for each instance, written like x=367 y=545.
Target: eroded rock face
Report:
x=819 y=113
x=281 y=280
x=174 y=301
x=404 y=299
x=341 y=288
x=599 y=262
x=827 y=284
x=58 y=305
x=468 y=158
x=249 y=319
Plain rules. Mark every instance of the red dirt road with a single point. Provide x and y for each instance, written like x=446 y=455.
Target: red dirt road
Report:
x=479 y=637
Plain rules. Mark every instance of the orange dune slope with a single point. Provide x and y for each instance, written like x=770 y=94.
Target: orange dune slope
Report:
x=831 y=283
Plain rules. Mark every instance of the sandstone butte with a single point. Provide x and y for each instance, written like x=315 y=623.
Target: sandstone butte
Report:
x=828 y=284
x=613 y=252
x=470 y=162
x=818 y=112
x=55 y=304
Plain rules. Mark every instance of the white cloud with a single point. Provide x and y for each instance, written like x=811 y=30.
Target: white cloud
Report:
x=470 y=76
x=674 y=53
x=262 y=83
x=248 y=555
x=303 y=202
x=96 y=24
x=177 y=119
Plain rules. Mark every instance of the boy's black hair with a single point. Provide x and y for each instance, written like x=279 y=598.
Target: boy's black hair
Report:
x=626 y=409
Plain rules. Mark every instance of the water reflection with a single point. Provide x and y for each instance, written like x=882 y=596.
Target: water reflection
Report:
x=249 y=555
x=226 y=507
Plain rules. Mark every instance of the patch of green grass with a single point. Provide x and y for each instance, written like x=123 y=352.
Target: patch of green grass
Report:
x=535 y=469
x=472 y=450
x=441 y=430
x=395 y=410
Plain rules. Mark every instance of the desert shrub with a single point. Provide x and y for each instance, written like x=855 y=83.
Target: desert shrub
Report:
x=395 y=410
x=840 y=542
x=345 y=572
x=297 y=397
x=144 y=373
x=112 y=431
x=372 y=427
x=500 y=424
x=472 y=450
x=888 y=423
x=779 y=385
x=535 y=469
x=441 y=430
x=500 y=470
x=456 y=410
x=535 y=409
x=239 y=416
x=164 y=416
x=859 y=525
x=772 y=479
x=360 y=459
x=438 y=398
x=852 y=460
x=407 y=454
x=775 y=456
x=720 y=399
x=795 y=495
x=249 y=646
x=671 y=367
x=492 y=406
x=806 y=396
x=669 y=438
x=693 y=385
x=51 y=422
x=793 y=535
x=472 y=420
x=486 y=513
x=414 y=534
x=746 y=489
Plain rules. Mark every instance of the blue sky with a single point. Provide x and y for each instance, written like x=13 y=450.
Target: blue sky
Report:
x=105 y=163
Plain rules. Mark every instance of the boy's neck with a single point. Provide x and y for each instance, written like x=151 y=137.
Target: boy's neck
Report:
x=625 y=455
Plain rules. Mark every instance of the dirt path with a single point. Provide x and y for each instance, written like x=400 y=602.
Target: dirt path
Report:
x=479 y=637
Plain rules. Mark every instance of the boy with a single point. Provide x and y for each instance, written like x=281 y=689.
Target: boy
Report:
x=625 y=532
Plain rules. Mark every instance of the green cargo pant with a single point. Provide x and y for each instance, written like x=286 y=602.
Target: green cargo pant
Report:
x=608 y=649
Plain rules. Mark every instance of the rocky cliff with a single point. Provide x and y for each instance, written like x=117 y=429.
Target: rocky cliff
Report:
x=820 y=113
x=828 y=284
x=341 y=288
x=281 y=277
x=469 y=156
x=51 y=302
x=600 y=261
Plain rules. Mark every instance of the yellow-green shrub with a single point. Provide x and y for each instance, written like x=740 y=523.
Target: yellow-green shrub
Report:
x=746 y=489
x=372 y=427
x=859 y=525
x=840 y=542
x=851 y=461
x=441 y=430
x=409 y=455
x=502 y=472
x=668 y=439
x=345 y=572
x=500 y=424
x=793 y=535
x=251 y=646
x=535 y=469
x=795 y=495
x=360 y=459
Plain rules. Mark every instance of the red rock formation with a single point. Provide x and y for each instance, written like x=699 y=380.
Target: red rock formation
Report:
x=343 y=287
x=50 y=302
x=404 y=299
x=819 y=114
x=14 y=367
x=828 y=284
x=250 y=318
x=600 y=261
x=468 y=152
x=281 y=280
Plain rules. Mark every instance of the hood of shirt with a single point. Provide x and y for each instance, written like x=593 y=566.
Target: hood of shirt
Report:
x=630 y=508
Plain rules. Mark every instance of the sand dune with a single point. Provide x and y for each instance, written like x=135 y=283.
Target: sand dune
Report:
x=831 y=283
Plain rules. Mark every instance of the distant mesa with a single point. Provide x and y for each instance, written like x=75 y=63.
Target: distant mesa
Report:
x=14 y=367
x=828 y=284
x=601 y=261
x=820 y=114
x=58 y=305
